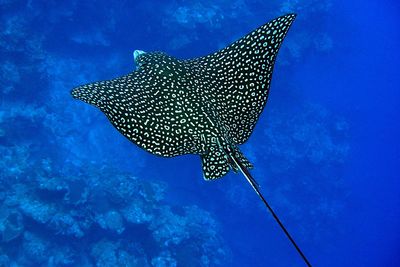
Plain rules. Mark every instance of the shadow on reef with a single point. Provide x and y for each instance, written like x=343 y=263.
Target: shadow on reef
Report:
x=100 y=218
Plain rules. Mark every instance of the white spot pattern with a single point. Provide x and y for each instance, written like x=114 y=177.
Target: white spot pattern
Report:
x=203 y=106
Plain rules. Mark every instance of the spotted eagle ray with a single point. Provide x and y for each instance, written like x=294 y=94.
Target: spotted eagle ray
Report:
x=206 y=106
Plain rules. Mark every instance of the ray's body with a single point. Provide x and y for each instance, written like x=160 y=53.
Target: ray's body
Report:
x=206 y=106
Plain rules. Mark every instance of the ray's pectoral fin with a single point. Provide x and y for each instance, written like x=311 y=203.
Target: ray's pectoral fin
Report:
x=217 y=162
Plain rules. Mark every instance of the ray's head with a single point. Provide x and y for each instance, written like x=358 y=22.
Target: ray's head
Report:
x=138 y=58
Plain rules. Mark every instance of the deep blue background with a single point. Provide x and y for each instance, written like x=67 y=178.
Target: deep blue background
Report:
x=326 y=149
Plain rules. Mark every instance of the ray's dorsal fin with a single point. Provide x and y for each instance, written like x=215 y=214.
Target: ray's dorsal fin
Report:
x=216 y=163
x=215 y=160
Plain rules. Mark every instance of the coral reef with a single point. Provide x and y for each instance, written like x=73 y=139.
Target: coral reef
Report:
x=101 y=218
x=60 y=214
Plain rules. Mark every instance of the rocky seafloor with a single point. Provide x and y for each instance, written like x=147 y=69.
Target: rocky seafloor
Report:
x=98 y=217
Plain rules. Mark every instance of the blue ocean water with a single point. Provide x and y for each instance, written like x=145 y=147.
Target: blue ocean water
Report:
x=74 y=192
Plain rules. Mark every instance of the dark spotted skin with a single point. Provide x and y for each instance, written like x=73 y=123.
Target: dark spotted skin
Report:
x=204 y=106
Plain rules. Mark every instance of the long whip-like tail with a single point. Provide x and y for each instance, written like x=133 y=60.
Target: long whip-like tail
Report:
x=254 y=184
